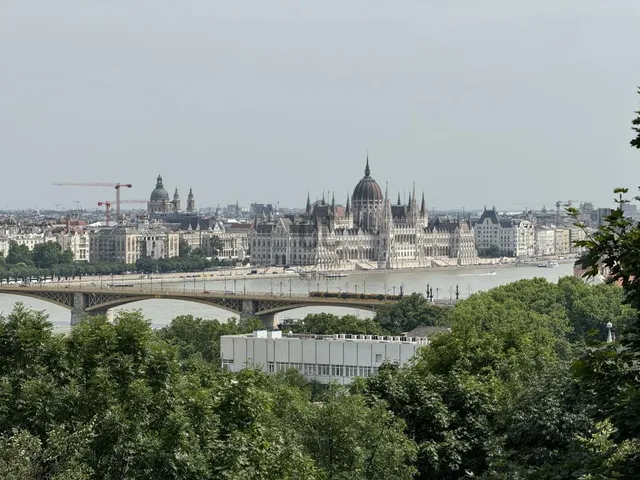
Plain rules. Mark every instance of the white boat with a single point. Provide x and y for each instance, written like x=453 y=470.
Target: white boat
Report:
x=549 y=264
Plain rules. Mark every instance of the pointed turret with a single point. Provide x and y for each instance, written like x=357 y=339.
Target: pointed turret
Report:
x=322 y=198
x=333 y=204
x=367 y=171
x=191 y=203
x=176 y=201
x=399 y=201
x=423 y=206
x=409 y=203
x=347 y=210
x=308 y=209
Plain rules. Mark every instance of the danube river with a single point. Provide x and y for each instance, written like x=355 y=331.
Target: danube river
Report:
x=443 y=282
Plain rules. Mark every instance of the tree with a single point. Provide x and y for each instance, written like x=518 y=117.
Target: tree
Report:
x=492 y=252
x=183 y=248
x=216 y=245
x=350 y=440
x=18 y=254
x=635 y=142
x=410 y=312
x=47 y=254
x=329 y=324
x=194 y=336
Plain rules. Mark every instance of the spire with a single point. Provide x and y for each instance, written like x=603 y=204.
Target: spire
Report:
x=308 y=204
x=409 y=202
x=423 y=206
x=333 y=202
x=399 y=201
x=322 y=197
x=348 y=207
x=367 y=171
x=413 y=196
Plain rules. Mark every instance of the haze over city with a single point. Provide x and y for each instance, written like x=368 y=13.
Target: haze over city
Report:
x=500 y=103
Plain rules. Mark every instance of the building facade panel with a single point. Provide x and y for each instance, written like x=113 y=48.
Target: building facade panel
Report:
x=321 y=358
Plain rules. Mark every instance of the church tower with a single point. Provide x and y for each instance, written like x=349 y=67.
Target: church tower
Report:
x=175 y=205
x=191 y=203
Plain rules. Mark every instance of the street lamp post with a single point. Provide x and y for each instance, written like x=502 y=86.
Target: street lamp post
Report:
x=290 y=285
x=609 y=335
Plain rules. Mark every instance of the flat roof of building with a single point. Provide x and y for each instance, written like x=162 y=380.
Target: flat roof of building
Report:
x=277 y=334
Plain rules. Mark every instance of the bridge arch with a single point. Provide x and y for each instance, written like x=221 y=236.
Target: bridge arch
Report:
x=62 y=299
x=286 y=308
x=109 y=304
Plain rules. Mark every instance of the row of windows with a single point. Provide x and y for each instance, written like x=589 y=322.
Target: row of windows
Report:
x=321 y=369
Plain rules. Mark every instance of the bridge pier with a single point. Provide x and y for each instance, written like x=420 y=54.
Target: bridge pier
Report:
x=269 y=320
x=79 y=312
x=250 y=309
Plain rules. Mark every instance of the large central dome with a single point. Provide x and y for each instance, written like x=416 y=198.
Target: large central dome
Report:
x=159 y=194
x=367 y=189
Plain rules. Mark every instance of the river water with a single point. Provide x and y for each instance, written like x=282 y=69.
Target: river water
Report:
x=444 y=283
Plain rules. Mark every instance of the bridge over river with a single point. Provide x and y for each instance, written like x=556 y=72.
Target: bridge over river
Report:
x=91 y=300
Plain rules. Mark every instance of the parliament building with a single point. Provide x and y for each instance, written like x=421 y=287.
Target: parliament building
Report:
x=369 y=232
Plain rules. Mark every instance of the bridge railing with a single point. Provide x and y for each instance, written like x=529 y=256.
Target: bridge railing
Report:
x=148 y=289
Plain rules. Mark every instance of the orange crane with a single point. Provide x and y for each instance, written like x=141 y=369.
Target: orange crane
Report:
x=117 y=186
x=107 y=205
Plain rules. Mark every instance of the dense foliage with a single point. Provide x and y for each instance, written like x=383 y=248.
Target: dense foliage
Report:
x=494 y=398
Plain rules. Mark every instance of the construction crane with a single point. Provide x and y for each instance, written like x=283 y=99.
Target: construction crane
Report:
x=107 y=205
x=117 y=186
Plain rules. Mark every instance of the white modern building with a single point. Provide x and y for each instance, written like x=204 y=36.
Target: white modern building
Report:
x=324 y=358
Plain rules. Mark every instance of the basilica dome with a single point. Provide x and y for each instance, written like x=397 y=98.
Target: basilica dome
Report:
x=367 y=189
x=159 y=194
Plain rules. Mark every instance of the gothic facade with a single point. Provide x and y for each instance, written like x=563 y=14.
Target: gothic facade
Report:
x=368 y=233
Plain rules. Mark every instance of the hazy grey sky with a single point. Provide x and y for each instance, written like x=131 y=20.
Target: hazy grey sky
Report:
x=486 y=102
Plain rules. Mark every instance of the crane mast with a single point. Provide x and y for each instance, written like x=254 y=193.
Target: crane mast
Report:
x=118 y=186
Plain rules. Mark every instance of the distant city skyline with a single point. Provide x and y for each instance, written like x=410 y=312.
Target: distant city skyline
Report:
x=506 y=103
